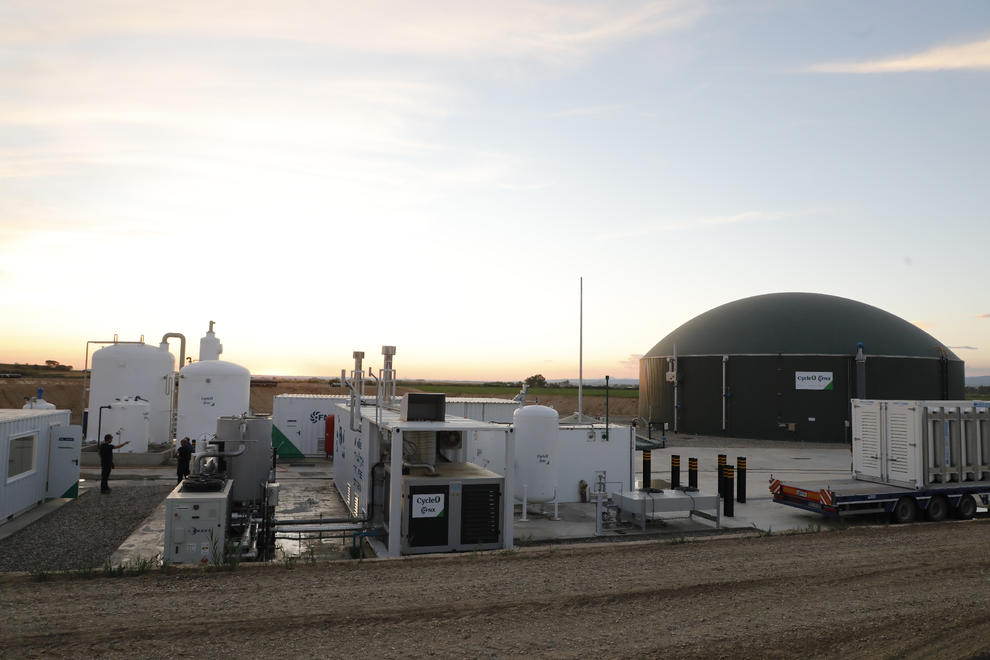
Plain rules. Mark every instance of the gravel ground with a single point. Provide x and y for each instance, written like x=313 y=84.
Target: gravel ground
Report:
x=83 y=533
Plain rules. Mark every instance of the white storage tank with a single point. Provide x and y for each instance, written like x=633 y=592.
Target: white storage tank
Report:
x=133 y=370
x=536 y=429
x=39 y=403
x=128 y=420
x=209 y=390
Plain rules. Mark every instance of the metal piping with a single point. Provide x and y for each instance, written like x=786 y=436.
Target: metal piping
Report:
x=182 y=345
x=213 y=454
x=725 y=358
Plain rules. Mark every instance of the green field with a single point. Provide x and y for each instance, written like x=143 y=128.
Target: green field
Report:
x=465 y=389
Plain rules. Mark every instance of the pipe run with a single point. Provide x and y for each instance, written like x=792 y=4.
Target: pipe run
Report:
x=214 y=454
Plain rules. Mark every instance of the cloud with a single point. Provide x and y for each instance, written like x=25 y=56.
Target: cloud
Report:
x=662 y=226
x=964 y=348
x=513 y=28
x=970 y=56
x=983 y=316
x=632 y=360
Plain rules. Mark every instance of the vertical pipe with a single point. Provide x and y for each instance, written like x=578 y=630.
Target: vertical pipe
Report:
x=647 y=469
x=725 y=358
x=606 y=408
x=721 y=475
x=675 y=471
x=729 y=505
x=394 y=502
x=693 y=473
x=741 y=488
x=581 y=352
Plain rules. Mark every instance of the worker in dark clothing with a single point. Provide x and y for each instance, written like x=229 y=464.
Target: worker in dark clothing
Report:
x=106 y=460
x=184 y=453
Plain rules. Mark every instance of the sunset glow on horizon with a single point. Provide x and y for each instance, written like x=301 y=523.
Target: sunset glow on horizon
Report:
x=320 y=179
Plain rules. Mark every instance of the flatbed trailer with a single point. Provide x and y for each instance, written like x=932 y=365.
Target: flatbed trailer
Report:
x=851 y=496
x=909 y=459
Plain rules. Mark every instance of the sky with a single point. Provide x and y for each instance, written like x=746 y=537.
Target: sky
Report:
x=325 y=177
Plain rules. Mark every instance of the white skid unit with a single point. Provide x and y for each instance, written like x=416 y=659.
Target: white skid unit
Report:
x=39 y=459
x=921 y=443
x=299 y=423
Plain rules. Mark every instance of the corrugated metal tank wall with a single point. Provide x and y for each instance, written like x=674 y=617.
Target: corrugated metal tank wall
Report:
x=763 y=402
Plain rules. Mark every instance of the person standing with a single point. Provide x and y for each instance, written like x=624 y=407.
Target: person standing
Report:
x=184 y=453
x=106 y=460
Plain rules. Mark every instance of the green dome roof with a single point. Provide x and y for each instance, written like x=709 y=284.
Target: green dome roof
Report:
x=799 y=324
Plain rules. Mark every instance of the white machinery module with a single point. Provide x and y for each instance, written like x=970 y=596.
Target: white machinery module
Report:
x=391 y=468
x=227 y=505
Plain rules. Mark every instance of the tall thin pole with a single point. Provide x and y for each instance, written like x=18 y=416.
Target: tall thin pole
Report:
x=581 y=354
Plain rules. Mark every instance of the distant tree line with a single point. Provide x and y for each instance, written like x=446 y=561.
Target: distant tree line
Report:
x=26 y=369
x=981 y=391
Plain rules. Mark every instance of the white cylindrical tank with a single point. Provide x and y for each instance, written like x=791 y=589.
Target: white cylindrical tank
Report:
x=123 y=371
x=536 y=429
x=128 y=421
x=210 y=347
x=209 y=390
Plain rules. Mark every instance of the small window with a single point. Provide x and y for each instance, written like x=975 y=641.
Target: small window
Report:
x=21 y=455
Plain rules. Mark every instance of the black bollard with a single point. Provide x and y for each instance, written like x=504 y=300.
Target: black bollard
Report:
x=730 y=508
x=693 y=473
x=675 y=471
x=647 y=468
x=720 y=485
x=741 y=488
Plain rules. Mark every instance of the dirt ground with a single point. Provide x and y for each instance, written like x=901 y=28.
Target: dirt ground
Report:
x=68 y=393
x=914 y=591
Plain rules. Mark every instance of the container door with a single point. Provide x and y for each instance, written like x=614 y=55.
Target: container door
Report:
x=902 y=440
x=63 y=461
x=866 y=440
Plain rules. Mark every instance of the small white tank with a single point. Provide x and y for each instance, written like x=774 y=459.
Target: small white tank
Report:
x=39 y=403
x=536 y=429
x=123 y=371
x=207 y=391
x=128 y=421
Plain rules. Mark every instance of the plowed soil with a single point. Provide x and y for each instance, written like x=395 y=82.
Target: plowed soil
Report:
x=915 y=591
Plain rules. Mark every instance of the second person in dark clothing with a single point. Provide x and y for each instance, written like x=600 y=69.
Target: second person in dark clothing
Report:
x=184 y=453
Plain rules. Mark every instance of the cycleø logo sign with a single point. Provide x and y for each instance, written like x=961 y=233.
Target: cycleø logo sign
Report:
x=813 y=380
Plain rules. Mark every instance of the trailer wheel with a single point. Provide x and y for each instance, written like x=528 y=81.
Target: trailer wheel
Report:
x=938 y=508
x=966 y=508
x=905 y=511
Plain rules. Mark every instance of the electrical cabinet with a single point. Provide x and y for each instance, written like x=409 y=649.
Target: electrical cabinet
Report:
x=457 y=509
x=196 y=525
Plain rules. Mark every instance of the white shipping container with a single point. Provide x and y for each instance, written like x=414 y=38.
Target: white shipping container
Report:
x=299 y=423
x=39 y=454
x=482 y=409
x=919 y=443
